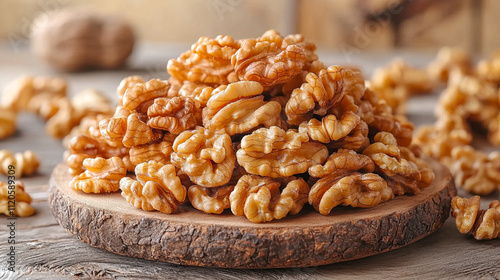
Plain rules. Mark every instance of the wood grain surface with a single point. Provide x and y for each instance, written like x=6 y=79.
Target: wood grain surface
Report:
x=46 y=251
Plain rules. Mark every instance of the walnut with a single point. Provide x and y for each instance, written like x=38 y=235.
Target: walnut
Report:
x=138 y=132
x=259 y=199
x=21 y=205
x=208 y=62
x=157 y=188
x=8 y=119
x=210 y=200
x=157 y=151
x=343 y=160
x=175 y=114
x=437 y=140
x=144 y=94
x=385 y=121
x=269 y=60
x=448 y=60
x=77 y=39
x=240 y=107
x=84 y=127
x=102 y=175
x=330 y=129
x=90 y=102
x=403 y=175
x=475 y=171
x=356 y=140
x=482 y=224
x=275 y=152
x=25 y=164
x=114 y=128
x=127 y=83
x=206 y=156
x=62 y=122
x=489 y=69
x=199 y=92
x=343 y=187
x=323 y=91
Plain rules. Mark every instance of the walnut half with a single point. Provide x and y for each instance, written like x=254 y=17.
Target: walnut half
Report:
x=482 y=224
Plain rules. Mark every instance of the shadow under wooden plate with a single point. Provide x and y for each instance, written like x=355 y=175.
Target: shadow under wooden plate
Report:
x=191 y=237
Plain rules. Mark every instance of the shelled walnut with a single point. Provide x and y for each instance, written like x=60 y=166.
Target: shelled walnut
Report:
x=469 y=218
x=102 y=175
x=24 y=164
x=236 y=122
x=21 y=206
x=259 y=198
x=157 y=188
x=8 y=119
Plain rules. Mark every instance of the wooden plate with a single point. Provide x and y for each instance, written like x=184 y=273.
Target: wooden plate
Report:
x=191 y=237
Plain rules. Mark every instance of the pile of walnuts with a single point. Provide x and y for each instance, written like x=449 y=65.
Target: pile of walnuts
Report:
x=259 y=126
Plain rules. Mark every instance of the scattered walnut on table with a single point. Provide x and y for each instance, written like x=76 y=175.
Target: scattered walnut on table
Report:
x=239 y=107
x=8 y=119
x=25 y=163
x=206 y=156
x=448 y=60
x=102 y=175
x=469 y=218
x=157 y=188
x=259 y=198
x=275 y=152
x=23 y=200
x=475 y=171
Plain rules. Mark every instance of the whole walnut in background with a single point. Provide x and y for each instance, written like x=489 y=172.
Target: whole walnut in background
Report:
x=76 y=39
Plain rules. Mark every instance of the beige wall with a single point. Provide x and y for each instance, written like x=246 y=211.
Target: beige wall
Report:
x=332 y=24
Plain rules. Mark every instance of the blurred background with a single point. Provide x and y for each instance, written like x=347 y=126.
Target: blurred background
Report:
x=348 y=26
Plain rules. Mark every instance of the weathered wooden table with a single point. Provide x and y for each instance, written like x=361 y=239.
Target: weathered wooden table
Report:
x=44 y=250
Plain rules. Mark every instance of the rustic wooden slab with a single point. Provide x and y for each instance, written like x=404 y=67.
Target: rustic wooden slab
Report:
x=191 y=237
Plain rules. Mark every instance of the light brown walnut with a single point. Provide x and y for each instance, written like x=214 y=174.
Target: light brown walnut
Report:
x=84 y=127
x=489 y=69
x=348 y=188
x=269 y=59
x=437 y=140
x=323 y=91
x=403 y=175
x=239 y=107
x=208 y=62
x=18 y=94
x=475 y=171
x=18 y=207
x=343 y=160
x=90 y=102
x=259 y=198
x=8 y=119
x=102 y=175
x=157 y=188
x=157 y=151
x=356 y=140
x=448 y=60
x=62 y=122
x=24 y=164
x=275 y=152
x=125 y=84
x=210 y=200
x=138 y=132
x=330 y=128
x=199 y=92
x=144 y=94
x=206 y=156
x=175 y=114
x=469 y=218
x=385 y=121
